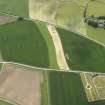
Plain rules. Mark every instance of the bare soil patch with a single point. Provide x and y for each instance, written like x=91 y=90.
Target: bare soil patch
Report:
x=6 y=19
x=21 y=85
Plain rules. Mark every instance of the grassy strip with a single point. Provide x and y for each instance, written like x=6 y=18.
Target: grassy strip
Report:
x=15 y=7
x=4 y=103
x=52 y=63
x=51 y=49
x=23 y=42
x=67 y=89
x=45 y=89
x=84 y=54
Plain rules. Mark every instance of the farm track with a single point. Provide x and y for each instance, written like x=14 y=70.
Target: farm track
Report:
x=58 y=47
x=46 y=69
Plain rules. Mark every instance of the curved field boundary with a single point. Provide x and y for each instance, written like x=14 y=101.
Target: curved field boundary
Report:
x=47 y=23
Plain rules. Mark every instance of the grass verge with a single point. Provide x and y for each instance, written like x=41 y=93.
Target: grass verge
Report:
x=4 y=103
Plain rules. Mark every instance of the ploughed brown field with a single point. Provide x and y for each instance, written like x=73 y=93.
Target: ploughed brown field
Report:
x=20 y=85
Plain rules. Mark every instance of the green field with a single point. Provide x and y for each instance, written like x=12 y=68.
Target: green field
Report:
x=97 y=34
x=67 y=89
x=24 y=43
x=84 y=54
x=15 y=7
x=4 y=103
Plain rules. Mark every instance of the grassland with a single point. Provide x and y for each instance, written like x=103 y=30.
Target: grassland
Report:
x=64 y=16
x=97 y=34
x=51 y=49
x=0 y=66
x=69 y=14
x=15 y=7
x=96 y=8
x=84 y=54
x=4 y=103
x=24 y=43
x=67 y=89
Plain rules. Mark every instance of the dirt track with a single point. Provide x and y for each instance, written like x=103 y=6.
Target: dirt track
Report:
x=58 y=47
x=21 y=85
